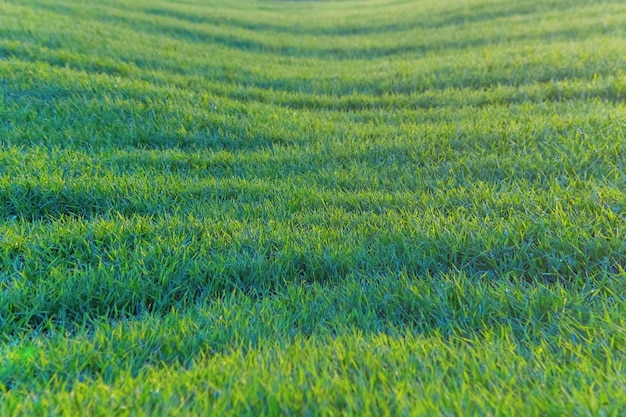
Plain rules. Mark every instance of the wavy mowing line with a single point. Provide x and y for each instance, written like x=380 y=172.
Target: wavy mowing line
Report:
x=423 y=20
x=420 y=18
x=243 y=73
x=416 y=43
x=134 y=128
x=155 y=183
x=224 y=17
x=131 y=127
x=420 y=145
x=500 y=66
x=369 y=165
x=472 y=251
x=568 y=88
x=453 y=203
x=263 y=197
x=232 y=122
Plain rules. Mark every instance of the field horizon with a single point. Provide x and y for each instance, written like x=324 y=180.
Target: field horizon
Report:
x=378 y=207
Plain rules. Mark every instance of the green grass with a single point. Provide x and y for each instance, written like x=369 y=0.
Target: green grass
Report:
x=349 y=207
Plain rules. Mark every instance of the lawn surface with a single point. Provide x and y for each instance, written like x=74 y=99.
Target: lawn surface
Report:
x=379 y=207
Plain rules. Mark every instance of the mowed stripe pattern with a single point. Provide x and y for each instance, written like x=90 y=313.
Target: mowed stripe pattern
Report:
x=402 y=207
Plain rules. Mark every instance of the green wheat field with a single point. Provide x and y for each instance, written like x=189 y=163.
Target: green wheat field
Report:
x=312 y=208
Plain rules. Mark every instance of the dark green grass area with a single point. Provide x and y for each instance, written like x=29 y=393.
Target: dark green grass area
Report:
x=312 y=208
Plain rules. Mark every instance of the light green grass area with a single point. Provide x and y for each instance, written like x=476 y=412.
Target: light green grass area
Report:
x=379 y=207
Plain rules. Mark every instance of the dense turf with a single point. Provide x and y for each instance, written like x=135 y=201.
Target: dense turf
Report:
x=312 y=208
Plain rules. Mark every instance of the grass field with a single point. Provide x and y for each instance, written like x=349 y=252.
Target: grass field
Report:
x=379 y=207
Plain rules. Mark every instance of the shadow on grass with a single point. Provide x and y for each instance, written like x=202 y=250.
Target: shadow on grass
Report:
x=92 y=272
x=480 y=14
x=200 y=35
x=228 y=132
x=452 y=308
